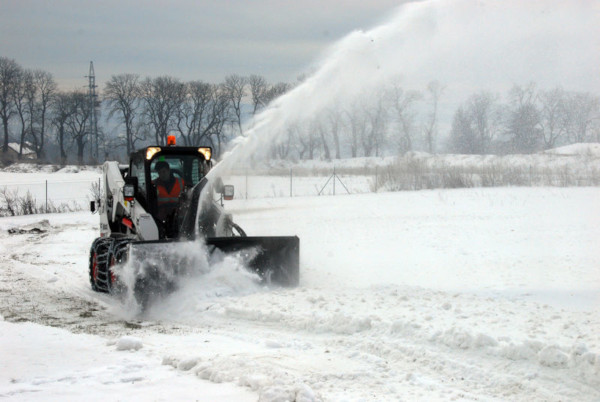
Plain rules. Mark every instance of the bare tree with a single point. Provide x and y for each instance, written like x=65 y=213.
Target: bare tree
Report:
x=122 y=94
x=258 y=90
x=402 y=103
x=222 y=113
x=235 y=90
x=275 y=91
x=307 y=141
x=553 y=116
x=463 y=138
x=61 y=111
x=366 y=138
x=377 y=118
x=523 y=127
x=9 y=74
x=22 y=90
x=435 y=91
x=583 y=116
x=485 y=118
x=476 y=124
x=523 y=95
x=45 y=90
x=192 y=113
x=523 y=119
x=77 y=121
x=30 y=99
x=203 y=115
x=357 y=124
x=318 y=126
x=335 y=120
x=282 y=148
x=162 y=98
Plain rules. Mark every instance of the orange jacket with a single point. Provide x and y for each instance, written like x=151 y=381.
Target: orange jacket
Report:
x=169 y=198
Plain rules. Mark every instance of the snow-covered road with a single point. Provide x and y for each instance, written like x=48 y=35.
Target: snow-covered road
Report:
x=434 y=295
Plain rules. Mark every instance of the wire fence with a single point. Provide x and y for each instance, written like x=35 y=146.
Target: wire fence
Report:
x=46 y=196
x=272 y=184
x=404 y=174
x=410 y=174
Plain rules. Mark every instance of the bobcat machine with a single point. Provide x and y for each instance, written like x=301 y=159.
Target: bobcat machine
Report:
x=132 y=224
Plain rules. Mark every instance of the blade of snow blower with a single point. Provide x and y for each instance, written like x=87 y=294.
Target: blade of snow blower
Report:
x=157 y=267
x=275 y=259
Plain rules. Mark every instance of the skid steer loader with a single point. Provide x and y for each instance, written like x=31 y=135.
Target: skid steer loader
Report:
x=136 y=221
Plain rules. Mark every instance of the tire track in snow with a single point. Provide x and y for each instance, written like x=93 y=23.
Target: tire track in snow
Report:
x=440 y=355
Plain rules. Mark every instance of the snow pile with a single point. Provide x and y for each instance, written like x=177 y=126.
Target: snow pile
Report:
x=129 y=343
x=49 y=168
x=36 y=227
x=581 y=149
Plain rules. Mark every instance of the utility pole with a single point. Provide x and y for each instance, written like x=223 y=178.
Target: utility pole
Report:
x=93 y=132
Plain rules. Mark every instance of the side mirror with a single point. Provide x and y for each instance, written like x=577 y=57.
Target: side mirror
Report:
x=218 y=186
x=228 y=192
x=92 y=206
x=130 y=188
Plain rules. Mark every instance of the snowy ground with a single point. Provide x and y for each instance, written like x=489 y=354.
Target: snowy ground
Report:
x=70 y=186
x=476 y=294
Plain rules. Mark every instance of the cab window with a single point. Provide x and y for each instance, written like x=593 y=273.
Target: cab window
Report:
x=175 y=164
x=190 y=168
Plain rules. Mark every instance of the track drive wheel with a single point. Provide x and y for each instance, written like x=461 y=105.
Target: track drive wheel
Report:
x=98 y=261
x=117 y=255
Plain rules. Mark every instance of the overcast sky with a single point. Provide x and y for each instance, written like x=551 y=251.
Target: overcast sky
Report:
x=187 y=39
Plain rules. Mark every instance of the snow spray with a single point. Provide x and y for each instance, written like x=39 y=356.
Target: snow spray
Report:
x=169 y=278
x=466 y=45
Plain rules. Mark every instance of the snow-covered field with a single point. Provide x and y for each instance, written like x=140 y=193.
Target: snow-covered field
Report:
x=70 y=186
x=473 y=294
x=563 y=166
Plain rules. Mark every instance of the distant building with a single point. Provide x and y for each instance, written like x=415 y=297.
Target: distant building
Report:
x=28 y=154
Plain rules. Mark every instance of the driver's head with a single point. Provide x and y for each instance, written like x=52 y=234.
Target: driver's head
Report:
x=163 y=169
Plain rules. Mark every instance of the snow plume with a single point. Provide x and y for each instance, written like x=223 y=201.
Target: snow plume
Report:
x=167 y=279
x=466 y=45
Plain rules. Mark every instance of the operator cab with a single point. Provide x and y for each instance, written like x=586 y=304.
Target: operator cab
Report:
x=162 y=197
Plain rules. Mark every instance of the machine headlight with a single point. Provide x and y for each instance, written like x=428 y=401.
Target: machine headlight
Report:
x=206 y=151
x=151 y=151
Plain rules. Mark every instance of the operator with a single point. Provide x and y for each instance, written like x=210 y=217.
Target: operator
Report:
x=168 y=188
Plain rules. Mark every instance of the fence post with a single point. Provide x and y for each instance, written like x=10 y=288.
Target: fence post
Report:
x=46 y=196
x=334 y=177
x=376 y=178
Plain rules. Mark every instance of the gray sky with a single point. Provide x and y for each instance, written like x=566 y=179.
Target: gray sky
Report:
x=187 y=39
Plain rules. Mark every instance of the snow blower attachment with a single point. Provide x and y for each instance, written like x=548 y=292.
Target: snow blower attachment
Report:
x=161 y=202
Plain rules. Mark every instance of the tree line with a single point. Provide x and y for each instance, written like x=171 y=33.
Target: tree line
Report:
x=529 y=120
x=393 y=120
x=390 y=120
x=37 y=115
